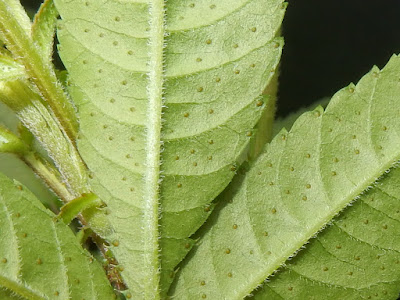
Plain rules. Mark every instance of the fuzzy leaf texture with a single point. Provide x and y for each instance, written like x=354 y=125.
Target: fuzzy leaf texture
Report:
x=358 y=257
x=40 y=257
x=168 y=94
x=304 y=178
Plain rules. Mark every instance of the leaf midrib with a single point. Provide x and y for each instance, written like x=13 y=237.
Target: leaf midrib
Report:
x=292 y=251
x=20 y=289
x=153 y=147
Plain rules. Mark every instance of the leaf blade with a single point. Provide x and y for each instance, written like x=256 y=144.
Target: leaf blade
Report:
x=302 y=181
x=20 y=289
x=198 y=69
x=41 y=257
x=43 y=27
x=355 y=257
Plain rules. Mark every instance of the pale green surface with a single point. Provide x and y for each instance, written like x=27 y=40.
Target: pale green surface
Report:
x=70 y=210
x=9 y=69
x=355 y=258
x=305 y=178
x=20 y=15
x=14 y=168
x=8 y=118
x=287 y=121
x=38 y=67
x=27 y=105
x=40 y=256
x=43 y=28
x=10 y=143
x=218 y=58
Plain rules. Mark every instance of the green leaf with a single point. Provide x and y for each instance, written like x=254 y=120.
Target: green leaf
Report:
x=10 y=143
x=9 y=69
x=40 y=258
x=20 y=15
x=287 y=121
x=71 y=209
x=30 y=110
x=357 y=257
x=304 y=178
x=167 y=103
x=38 y=68
x=13 y=167
x=43 y=28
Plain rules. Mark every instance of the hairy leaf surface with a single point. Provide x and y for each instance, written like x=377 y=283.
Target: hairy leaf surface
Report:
x=358 y=257
x=40 y=258
x=304 y=178
x=44 y=26
x=9 y=69
x=167 y=102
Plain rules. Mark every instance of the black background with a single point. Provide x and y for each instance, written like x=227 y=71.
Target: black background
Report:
x=329 y=44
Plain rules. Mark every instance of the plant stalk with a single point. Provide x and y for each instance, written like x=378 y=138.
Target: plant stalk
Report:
x=39 y=71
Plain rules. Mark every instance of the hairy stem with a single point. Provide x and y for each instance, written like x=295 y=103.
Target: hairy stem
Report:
x=152 y=176
x=39 y=71
x=49 y=176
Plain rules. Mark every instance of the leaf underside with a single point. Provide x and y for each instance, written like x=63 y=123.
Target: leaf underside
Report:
x=356 y=257
x=304 y=178
x=40 y=258
x=207 y=63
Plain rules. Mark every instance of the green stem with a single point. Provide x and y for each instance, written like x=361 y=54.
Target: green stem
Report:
x=39 y=70
x=10 y=143
x=48 y=131
x=49 y=175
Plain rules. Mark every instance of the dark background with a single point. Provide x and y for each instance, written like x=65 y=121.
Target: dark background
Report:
x=329 y=44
